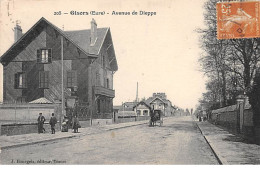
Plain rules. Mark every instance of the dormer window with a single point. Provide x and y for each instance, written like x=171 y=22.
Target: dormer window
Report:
x=44 y=55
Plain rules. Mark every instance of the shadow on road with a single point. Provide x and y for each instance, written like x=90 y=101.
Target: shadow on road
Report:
x=186 y=126
x=236 y=138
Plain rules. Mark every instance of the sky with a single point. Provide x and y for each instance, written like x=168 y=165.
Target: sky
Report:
x=160 y=52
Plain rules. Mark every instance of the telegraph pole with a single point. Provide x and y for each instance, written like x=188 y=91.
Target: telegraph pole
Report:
x=136 y=100
x=137 y=93
x=62 y=79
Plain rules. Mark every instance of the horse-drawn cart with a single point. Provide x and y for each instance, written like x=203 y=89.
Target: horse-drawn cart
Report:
x=156 y=117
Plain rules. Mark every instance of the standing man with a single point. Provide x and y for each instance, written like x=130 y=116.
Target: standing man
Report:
x=53 y=121
x=75 y=124
x=41 y=121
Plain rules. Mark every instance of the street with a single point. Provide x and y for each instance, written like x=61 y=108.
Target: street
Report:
x=178 y=141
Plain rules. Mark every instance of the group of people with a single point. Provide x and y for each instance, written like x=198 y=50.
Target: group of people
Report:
x=74 y=124
x=53 y=120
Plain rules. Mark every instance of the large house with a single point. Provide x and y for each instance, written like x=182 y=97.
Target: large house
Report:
x=159 y=101
x=43 y=58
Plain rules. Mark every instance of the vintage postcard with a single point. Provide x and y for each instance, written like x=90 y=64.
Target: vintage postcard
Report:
x=113 y=82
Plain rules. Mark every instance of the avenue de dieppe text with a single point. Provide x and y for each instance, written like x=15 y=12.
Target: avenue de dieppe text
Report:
x=116 y=13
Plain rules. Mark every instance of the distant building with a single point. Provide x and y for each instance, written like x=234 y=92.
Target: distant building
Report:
x=142 y=109
x=128 y=106
x=159 y=101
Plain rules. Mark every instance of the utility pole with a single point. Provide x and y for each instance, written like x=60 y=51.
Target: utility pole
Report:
x=136 y=100
x=137 y=93
x=62 y=79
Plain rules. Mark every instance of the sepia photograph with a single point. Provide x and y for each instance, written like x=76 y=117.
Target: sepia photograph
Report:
x=113 y=82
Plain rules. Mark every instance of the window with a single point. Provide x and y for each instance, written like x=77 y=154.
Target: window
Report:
x=20 y=80
x=145 y=112
x=101 y=59
x=98 y=106
x=21 y=100
x=44 y=55
x=44 y=79
x=98 y=79
x=104 y=61
x=107 y=83
x=71 y=79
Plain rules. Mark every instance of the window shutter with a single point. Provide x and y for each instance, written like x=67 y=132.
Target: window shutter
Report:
x=24 y=80
x=47 y=79
x=40 y=79
x=104 y=61
x=49 y=55
x=107 y=83
x=75 y=79
x=16 y=79
x=69 y=79
x=38 y=55
x=44 y=79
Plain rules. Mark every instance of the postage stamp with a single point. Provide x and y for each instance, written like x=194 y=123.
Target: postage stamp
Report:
x=238 y=20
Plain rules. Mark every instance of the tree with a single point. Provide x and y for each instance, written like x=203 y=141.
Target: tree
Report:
x=213 y=61
x=254 y=99
x=247 y=55
x=187 y=112
x=230 y=64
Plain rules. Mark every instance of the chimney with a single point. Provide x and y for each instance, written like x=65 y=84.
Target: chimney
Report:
x=17 y=32
x=93 y=33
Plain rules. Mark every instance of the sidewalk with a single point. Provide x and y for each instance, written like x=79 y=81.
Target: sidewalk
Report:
x=230 y=149
x=34 y=138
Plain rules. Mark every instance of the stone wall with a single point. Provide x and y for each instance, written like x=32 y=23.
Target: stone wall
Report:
x=25 y=122
x=96 y=122
x=25 y=128
x=25 y=113
x=227 y=117
x=128 y=119
x=132 y=119
x=248 y=127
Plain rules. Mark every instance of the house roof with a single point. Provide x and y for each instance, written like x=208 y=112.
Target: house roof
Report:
x=174 y=107
x=79 y=38
x=143 y=103
x=82 y=37
x=117 y=107
x=41 y=100
x=15 y=49
x=129 y=104
x=151 y=99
